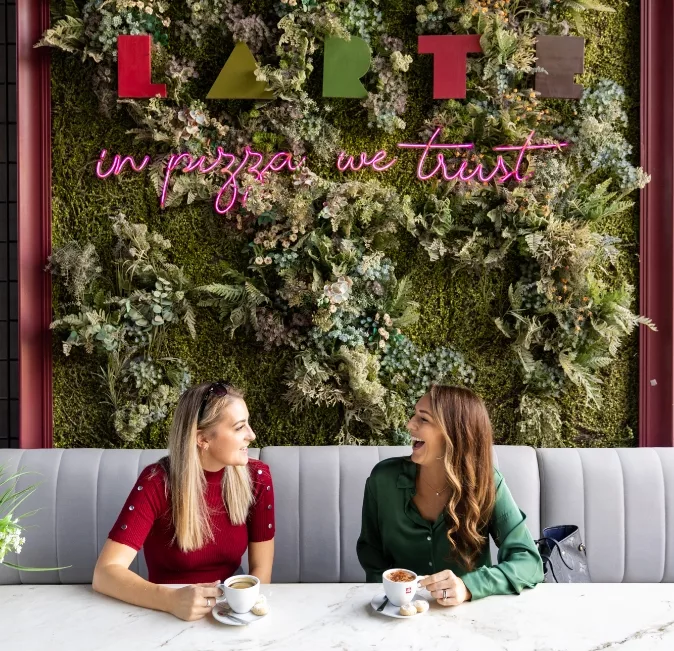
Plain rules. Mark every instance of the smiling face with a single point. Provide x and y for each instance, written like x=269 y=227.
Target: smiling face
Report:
x=428 y=441
x=225 y=443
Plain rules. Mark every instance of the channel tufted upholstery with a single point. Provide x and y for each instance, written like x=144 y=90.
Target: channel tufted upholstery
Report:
x=316 y=530
x=623 y=502
x=622 y=499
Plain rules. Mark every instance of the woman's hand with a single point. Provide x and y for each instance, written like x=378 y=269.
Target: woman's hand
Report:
x=193 y=601
x=447 y=588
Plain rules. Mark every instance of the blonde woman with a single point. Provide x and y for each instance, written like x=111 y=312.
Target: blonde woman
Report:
x=194 y=512
x=433 y=512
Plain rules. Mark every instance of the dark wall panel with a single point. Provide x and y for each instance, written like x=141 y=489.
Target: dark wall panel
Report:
x=9 y=364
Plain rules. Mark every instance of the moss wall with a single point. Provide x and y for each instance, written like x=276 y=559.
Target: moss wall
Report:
x=457 y=310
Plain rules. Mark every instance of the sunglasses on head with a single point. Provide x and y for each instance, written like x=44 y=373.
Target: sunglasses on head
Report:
x=219 y=389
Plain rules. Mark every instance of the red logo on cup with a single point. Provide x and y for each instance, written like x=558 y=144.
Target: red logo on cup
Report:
x=408 y=590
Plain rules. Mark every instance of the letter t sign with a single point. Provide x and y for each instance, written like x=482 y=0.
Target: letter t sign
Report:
x=449 y=62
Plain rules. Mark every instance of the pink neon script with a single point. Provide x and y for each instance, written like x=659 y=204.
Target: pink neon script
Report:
x=252 y=162
x=463 y=174
x=346 y=162
x=118 y=163
x=277 y=163
x=523 y=149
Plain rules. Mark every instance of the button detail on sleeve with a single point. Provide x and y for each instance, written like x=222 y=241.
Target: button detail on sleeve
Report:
x=259 y=472
x=430 y=563
x=268 y=488
x=123 y=527
x=269 y=508
x=428 y=538
x=132 y=507
x=269 y=526
x=140 y=488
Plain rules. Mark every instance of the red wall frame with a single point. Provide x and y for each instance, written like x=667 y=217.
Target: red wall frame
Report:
x=34 y=225
x=656 y=270
x=656 y=350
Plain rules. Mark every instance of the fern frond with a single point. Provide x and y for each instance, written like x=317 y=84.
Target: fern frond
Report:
x=230 y=293
x=66 y=35
x=190 y=319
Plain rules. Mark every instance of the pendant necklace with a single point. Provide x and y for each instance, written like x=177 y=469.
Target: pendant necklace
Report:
x=437 y=493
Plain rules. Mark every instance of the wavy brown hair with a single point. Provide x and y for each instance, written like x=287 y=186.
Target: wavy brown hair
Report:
x=462 y=417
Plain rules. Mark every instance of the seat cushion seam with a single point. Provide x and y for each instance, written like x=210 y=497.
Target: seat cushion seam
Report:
x=542 y=493
x=664 y=500
x=625 y=526
x=56 y=538
x=96 y=491
x=584 y=492
x=299 y=510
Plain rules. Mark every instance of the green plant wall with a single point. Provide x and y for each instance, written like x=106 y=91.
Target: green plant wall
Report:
x=457 y=309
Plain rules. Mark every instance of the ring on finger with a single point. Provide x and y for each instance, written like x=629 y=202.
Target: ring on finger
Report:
x=444 y=594
x=208 y=602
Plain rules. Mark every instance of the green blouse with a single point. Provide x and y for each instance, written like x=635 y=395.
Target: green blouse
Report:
x=394 y=534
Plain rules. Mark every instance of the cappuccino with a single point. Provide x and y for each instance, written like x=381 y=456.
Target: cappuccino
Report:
x=242 y=585
x=400 y=576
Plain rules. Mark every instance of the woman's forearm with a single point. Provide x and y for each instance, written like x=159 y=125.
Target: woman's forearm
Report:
x=262 y=572
x=121 y=583
x=261 y=559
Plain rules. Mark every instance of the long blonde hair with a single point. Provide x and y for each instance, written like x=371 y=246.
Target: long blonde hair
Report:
x=463 y=419
x=186 y=481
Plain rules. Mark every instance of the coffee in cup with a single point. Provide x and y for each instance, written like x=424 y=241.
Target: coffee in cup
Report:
x=400 y=586
x=242 y=585
x=400 y=576
x=241 y=592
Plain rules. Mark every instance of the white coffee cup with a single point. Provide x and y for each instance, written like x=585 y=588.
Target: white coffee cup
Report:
x=241 y=600
x=400 y=593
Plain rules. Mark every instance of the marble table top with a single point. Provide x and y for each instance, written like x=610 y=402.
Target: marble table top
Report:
x=313 y=617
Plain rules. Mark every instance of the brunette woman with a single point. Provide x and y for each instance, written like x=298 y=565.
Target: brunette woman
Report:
x=433 y=512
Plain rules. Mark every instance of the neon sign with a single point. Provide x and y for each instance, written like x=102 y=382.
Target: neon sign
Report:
x=253 y=163
x=462 y=174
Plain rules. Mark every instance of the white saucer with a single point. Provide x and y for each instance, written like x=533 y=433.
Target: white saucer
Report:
x=223 y=613
x=390 y=610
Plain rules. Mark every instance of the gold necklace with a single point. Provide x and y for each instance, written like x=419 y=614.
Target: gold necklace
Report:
x=437 y=493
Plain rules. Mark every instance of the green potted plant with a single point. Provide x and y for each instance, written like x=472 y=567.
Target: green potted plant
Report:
x=11 y=532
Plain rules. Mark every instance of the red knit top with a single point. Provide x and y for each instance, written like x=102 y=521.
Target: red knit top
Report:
x=146 y=521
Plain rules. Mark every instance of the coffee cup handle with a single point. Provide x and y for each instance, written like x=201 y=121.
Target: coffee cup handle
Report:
x=220 y=598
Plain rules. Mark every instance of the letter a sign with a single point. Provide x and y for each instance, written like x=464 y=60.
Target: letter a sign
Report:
x=237 y=78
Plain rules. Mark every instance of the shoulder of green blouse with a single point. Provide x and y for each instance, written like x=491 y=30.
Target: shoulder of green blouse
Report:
x=388 y=471
x=499 y=479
